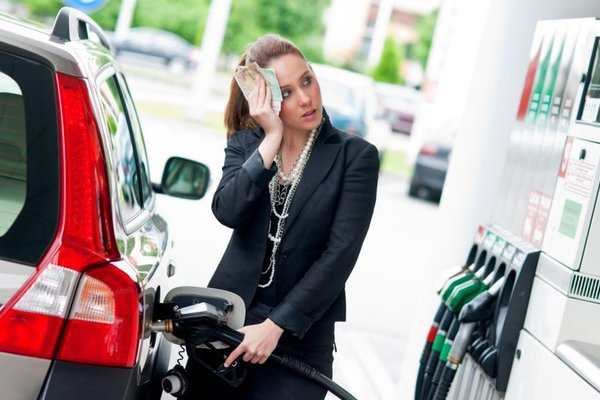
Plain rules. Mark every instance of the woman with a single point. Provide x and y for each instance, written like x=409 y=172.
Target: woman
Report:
x=299 y=196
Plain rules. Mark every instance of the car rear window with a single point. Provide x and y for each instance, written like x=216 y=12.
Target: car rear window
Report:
x=29 y=181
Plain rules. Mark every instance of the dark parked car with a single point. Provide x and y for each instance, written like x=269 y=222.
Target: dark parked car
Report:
x=157 y=45
x=429 y=171
x=84 y=252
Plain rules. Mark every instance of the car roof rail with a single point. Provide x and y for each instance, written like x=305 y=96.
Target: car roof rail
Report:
x=71 y=24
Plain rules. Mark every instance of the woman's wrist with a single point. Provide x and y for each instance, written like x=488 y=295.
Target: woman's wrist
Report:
x=268 y=149
x=272 y=325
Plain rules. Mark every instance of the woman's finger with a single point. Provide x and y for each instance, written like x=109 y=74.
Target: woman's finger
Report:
x=260 y=92
x=238 y=351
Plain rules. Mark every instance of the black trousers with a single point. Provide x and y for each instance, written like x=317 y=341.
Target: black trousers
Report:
x=270 y=381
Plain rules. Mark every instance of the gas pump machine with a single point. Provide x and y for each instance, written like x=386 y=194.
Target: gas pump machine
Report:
x=560 y=343
x=521 y=319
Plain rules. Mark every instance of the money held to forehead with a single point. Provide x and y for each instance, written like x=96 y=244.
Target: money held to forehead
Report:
x=246 y=78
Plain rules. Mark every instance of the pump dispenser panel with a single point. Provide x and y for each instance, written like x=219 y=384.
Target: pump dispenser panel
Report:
x=522 y=314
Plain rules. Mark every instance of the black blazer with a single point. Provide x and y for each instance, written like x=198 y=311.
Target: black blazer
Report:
x=328 y=220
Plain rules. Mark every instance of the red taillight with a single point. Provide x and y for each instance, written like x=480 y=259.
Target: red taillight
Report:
x=104 y=323
x=429 y=149
x=77 y=273
x=88 y=219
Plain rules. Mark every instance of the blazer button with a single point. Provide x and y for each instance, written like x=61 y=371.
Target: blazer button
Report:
x=284 y=255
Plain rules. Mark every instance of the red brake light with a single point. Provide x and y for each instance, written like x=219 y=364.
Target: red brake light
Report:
x=32 y=322
x=104 y=324
x=429 y=149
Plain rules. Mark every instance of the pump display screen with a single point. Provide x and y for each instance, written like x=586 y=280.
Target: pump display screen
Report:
x=591 y=101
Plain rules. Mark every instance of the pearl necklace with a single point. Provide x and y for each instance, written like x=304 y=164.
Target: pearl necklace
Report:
x=282 y=189
x=298 y=164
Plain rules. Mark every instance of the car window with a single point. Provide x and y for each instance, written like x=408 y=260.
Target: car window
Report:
x=29 y=177
x=138 y=142
x=126 y=165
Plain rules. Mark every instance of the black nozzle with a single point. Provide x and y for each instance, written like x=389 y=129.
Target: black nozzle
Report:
x=477 y=309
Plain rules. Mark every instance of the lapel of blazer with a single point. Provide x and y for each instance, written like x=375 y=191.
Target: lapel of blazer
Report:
x=321 y=159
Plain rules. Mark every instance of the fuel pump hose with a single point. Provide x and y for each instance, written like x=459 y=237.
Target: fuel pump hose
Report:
x=473 y=312
x=433 y=329
x=234 y=338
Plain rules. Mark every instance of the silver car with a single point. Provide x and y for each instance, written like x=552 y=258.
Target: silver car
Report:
x=84 y=253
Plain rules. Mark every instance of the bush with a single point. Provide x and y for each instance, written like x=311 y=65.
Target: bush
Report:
x=388 y=69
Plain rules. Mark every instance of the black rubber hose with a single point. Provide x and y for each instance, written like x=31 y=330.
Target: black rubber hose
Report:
x=427 y=348
x=441 y=392
x=234 y=338
x=437 y=375
x=434 y=356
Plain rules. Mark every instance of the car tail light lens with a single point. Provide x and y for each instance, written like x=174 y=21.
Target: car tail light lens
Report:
x=51 y=293
x=104 y=324
x=82 y=304
x=30 y=324
x=429 y=149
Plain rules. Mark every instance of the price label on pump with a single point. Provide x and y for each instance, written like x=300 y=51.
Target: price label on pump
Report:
x=479 y=235
x=489 y=240
x=519 y=259
x=498 y=247
x=509 y=252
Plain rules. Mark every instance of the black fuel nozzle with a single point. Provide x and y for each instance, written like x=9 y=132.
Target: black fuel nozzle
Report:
x=476 y=310
x=479 y=309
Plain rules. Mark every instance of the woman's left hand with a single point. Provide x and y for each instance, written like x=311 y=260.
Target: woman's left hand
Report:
x=259 y=342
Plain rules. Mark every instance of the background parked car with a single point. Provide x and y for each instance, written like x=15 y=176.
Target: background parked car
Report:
x=430 y=169
x=352 y=104
x=400 y=104
x=155 y=45
x=85 y=253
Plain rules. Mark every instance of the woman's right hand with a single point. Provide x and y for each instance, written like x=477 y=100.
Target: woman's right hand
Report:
x=259 y=105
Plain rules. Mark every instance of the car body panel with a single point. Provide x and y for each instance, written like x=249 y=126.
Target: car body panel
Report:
x=143 y=239
x=12 y=277
x=22 y=377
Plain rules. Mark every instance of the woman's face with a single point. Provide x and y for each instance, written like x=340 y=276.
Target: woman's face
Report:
x=301 y=109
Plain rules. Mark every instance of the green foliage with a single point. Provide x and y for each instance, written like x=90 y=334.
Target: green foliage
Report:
x=425 y=28
x=388 y=69
x=184 y=17
x=248 y=20
x=106 y=16
x=43 y=8
x=292 y=19
x=187 y=18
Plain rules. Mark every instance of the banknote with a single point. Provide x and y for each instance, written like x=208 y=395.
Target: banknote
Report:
x=246 y=78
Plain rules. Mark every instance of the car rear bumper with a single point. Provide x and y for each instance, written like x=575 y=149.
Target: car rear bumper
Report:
x=70 y=381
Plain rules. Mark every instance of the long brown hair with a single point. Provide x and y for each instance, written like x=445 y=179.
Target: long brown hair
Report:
x=262 y=51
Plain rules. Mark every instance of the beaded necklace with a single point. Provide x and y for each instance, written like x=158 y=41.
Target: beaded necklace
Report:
x=282 y=189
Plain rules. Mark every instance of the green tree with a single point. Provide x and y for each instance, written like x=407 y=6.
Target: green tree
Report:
x=184 y=17
x=248 y=20
x=42 y=9
x=388 y=68
x=290 y=18
x=425 y=28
